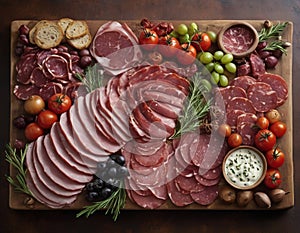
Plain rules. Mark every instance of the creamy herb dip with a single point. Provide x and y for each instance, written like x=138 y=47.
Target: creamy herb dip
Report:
x=244 y=167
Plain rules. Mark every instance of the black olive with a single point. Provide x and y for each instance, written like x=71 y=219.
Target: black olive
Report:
x=98 y=184
x=105 y=192
x=110 y=163
x=120 y=160
x=92 y=196
x=89 y=186
x=112 y=172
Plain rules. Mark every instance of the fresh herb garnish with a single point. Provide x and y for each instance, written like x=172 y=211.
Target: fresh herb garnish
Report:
x=93 y=77
x=276 y=44
x=17 y=161
x=195 y=109
x=272 y=32
x=112 y=204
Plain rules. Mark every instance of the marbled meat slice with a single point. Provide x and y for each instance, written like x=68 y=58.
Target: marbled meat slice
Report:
x=257 y=65
x=147 y=202
x=177 y=197
x=248 y=132
x=278 y=84
x=189 y=184
x=232 y=116
x=241 y=103
x=224 y=95
x=262 y=96
x=243 y=82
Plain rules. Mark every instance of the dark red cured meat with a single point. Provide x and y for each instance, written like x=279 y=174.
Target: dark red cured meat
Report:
x=147 y=202
x=50 y=89
x=262 y=96
x=238 y=39
x=246 y=117
x=224 y=95
x=257 y=65
x=145 y=149
x=244 y=69
x=38 y=78
x=241 y=103
x=243 y=82
x=212 y=174
x=278 y=84
x=206 y=196
x=248 y=132
x=189 y=184
x=207 y=182
x=232 y=116
x=177 y=197
x=139 y=168
x=24 y=91
x=24 y=68
x=163 y=109
x=142 y=191
x=57 y=66
x=202 y=145
x=160 y=191
x=115 y=47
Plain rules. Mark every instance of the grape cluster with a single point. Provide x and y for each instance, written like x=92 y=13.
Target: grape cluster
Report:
x=108 y=178
x=217 y=63
x=270 y=57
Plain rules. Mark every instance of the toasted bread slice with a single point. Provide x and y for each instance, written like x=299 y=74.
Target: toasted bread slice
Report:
x=64 y=23
x=32 y=30
x=76 y=29
x=48 y=35
x=81 y=42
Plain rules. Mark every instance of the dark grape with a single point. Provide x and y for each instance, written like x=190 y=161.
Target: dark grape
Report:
x=120 y=160
x=110 y=163
x=105 y=192
x=122 y=171
x=271 y=62
x=261 y=45
x=92 y=196
x=98 y=184
x=264 y=53
x=24 y=30
x=84 y=52
x=19 y=144
x=89 y=186
x=20 y=122
x=85 y=61
x=23 y=39
x=112 y=172
x=277 y=53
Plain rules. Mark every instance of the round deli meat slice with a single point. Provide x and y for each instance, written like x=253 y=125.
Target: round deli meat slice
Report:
x=241 y=103
x=243 y=82
x=24 y=91
x=207 y=196
x=246 y=117
x=178 y=198
x=160 y=191
x=189 y=184
x=232 y=117
x=262 y=96
x=224 y=95
x=24 y=68
x=147 y=202
x=207 y=182
x=248 y=132
x=278 y=84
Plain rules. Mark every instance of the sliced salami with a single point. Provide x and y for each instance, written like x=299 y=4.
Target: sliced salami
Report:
x=278 y=84
x=147 y=202
x=241 y=103
x=243 y=81
x=189 y=184
x=248 y=132
x=177 y=197
x=262 y=96
x=232 y=116
x=226 y=94
x=257 y=65
x=246 y=117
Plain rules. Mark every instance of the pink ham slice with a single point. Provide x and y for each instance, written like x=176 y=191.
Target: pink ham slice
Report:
x=115 y=47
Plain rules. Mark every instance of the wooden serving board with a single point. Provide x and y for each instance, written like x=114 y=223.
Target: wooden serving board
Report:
x=284 y=68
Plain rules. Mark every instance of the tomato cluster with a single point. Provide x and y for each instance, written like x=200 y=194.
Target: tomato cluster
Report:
x=182 y=43
x=270 y=129
x=45 y=114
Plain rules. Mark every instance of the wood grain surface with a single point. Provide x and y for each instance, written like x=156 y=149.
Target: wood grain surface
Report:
x=173 y=221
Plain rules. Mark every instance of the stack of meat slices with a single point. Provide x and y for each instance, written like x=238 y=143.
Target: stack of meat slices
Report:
x=46 y=72
x=131 y=108
x=247 y=98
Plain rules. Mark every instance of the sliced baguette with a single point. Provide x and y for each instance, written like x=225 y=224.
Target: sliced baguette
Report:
x=81 y=42
x=32 y=30
x=76 y=29
x=64 y=23
x=48 y=35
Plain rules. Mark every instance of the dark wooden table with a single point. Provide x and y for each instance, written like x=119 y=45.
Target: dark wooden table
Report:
x=146 y=221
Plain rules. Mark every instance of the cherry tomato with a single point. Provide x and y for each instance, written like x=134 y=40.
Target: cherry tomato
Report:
x=187 y=55
x=262 y=123
x=273 y=116
x=201 y=41
x=169 y=46
x=265 y=140
x=275 y=157
x=59 y=103
x=33 y=131
x=148 y=37
x=34 y=105
x=273 y=178
x=46 y=119
x=234 y=140
x=224 y=130
x=278 y=128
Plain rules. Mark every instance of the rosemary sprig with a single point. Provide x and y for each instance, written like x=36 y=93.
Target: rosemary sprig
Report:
x=17 y=161
x=195 y=109
x=272 y=32
x=276 y=44
x=112 y=204
x=93 y=78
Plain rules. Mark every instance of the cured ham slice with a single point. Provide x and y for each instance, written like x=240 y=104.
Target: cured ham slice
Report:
x=115 y=47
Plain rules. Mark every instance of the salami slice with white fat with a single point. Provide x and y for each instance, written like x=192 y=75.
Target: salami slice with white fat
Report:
x=278 y=84
x=241 y=103
x=232 y=116
x=262 y=96
x=206 y=196
x=248 y=132
x=177 y=197
x=243 y=81
x=147 y=202
x=224 y=95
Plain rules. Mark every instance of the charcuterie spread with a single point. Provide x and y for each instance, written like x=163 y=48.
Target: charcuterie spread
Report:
x=141 y=114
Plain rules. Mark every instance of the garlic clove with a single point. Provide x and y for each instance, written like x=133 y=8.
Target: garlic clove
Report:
x=277 y=195
x=262 y=200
